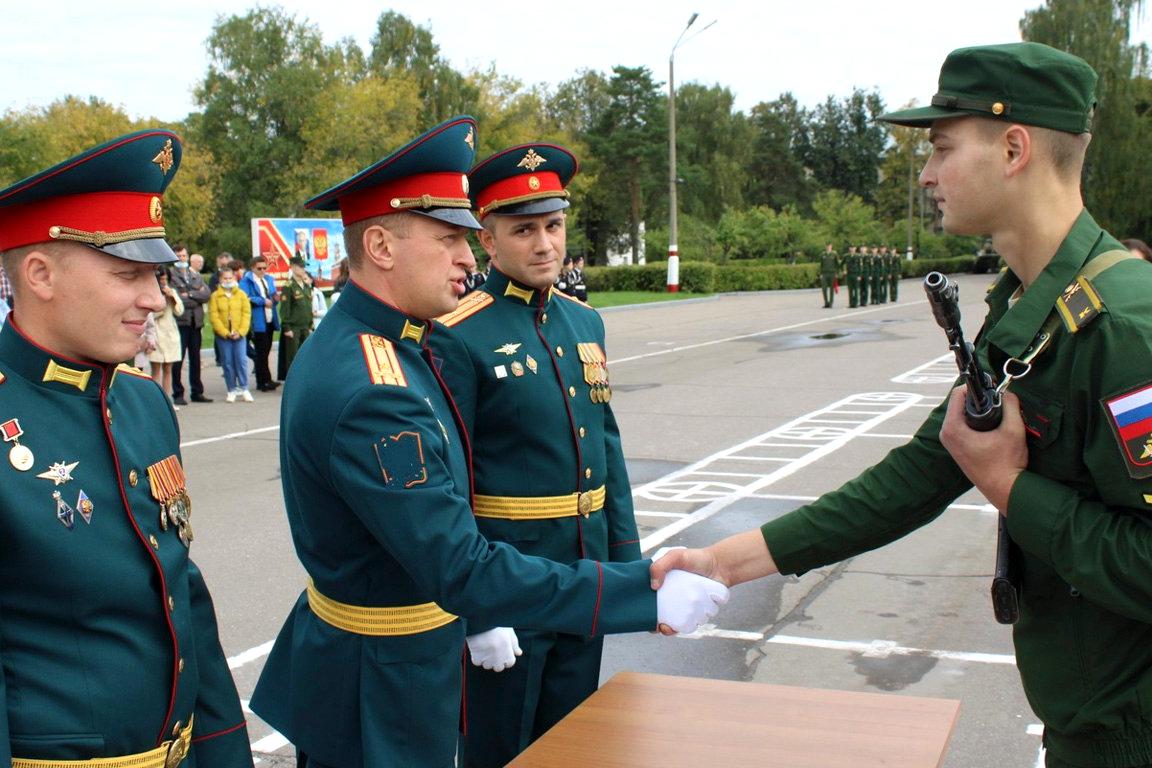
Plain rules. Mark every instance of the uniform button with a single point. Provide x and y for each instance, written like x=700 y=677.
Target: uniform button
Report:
x=582 y=433
x=172 y=607
x=560 y=351
x=133 y=478
x=571 y=391
x=152 y=540
x=180 y=666
x=588 y=472
x=544 y=317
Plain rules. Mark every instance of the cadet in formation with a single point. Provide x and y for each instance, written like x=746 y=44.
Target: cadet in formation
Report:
x=879 y=277
x=852 y=269
x=865 y=276
x=829 y=272
x=1070 y=467
x=894 y=268
x=109 y=644
x=377 y=477
x=527 y=366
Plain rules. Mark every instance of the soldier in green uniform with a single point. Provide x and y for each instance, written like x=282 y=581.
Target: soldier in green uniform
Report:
x=108 y=639
x=865 y=276
x=527 y=367
x=829 y=270
x=295 y=315
x=879 y=277
x=1070 y=467
x=852 y=270
x=378 y=482
x=894 y=275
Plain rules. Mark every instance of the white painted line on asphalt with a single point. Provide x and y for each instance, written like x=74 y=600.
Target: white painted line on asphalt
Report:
x=886 y=648
x=662 y=514
x=942 y=370
x=231 y=436
x=711 y=630
x=888 y=436
x=270 y=743
x=244 y=657
x=714 y=342
x=1035 y=729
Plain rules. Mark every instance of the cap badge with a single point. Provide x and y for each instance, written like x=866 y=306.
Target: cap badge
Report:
x=533 y=183
x=156 y=210
x=531 y=161
x=471 y=142
x=164 y=158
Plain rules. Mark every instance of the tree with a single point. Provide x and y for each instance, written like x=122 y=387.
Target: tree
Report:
x=899 y=187
x=1118 y=170
x=268 y=77
x=844 y=143
x=843 y=217
x=629 y=140
x=776 y=175
x=714 y=150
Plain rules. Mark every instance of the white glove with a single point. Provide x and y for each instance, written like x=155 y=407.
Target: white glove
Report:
x=663 y=551
x=686 y=600
x=495 y=649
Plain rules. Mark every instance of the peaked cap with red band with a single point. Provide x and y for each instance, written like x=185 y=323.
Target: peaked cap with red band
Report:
x=425 y=176
x=523 y=180
x=109 y=198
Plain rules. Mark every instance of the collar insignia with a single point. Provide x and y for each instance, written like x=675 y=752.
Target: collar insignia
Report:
x=59 y=373
x=413 y=332
x=524 y=294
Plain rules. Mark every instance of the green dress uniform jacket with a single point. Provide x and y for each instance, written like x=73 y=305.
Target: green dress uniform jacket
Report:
x=377 y=488
x=528 y=371
x=108 y=637
x=829 y=268
x=1079 y=513
x=894 y=267
x=852 y=275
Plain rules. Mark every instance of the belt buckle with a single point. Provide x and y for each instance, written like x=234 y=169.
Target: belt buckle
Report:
x=178 y=749
x=584 y=503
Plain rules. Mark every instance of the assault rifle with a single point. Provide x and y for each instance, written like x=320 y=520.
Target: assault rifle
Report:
x=983 y=411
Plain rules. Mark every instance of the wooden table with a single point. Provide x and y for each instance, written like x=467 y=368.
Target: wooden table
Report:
x=639 y=720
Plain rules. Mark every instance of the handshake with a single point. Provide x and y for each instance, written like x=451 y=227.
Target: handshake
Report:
x=684 y=601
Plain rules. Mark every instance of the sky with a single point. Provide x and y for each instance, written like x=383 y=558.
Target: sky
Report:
x=148 y=57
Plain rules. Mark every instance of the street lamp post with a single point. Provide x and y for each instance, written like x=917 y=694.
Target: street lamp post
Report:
x=673 y=235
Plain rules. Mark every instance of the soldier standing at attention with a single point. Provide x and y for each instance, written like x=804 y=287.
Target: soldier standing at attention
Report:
x=829 y=268
x=109 y=645
x=865 y=276
x=894 y=274
x=295 y=315
x=879 y=277
x=1069 y=466
x=377 y=484
x=852 y=269
x=526 y=364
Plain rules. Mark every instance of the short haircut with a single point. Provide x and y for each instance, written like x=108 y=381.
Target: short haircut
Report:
x=11 y=259
x=177 y=247
x=399 y=224
x=1062 y=150
x=1139 y=246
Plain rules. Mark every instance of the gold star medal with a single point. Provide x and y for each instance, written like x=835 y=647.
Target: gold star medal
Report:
x=59 y=473
x=20 y=457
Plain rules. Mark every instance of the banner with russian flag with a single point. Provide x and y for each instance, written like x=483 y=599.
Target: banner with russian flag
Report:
x=1131 y=417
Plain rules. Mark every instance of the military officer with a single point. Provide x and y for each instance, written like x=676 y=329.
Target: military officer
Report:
x=894 y=275
x=295 y=315
x=108 y=637
x=1070 y=467
x=377 y=483
x=526 y=364
x=879 y=290
x=829 y=269
x=852 y=270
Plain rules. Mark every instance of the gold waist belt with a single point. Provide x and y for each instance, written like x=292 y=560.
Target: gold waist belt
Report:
x=378 y=622
x=170 y=754
x=540 y=507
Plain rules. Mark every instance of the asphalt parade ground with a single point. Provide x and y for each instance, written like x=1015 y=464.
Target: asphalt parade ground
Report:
x=733 y=410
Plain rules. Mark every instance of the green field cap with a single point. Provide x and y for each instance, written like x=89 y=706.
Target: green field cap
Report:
x=1027 y=83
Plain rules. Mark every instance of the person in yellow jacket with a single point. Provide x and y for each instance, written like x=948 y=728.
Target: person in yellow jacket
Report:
x=231 y=315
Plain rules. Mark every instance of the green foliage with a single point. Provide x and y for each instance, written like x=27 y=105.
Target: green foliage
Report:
x=761 y=232
x=920 y=267
x=776 y=175
x=844 y=143
x=844 y=219
x=702 y=277
x=697 y=241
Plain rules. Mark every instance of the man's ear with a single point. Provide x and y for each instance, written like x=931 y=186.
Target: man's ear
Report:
x=38 y=273
x=1017 y=144
x=378 y=245
x=487 y=240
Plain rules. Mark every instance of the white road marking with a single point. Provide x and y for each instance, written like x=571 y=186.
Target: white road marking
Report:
x=942 y=370
x=244 y=657
x=270 y=743
x=230 y=436
x=886 y=648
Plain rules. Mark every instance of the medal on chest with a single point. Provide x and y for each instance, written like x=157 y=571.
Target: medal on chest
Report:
x=19 y=456
x=169 y=487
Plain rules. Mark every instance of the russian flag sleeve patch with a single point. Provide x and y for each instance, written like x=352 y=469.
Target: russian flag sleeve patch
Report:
x=1130 y=416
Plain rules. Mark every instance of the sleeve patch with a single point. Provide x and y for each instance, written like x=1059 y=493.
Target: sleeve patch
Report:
x=380 y=357
x=401 y=460
x=1130 y=417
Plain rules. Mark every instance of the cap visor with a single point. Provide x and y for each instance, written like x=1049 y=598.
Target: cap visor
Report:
x=532 y=207
x=153 y=250
x=921 y=117
x=459 y=217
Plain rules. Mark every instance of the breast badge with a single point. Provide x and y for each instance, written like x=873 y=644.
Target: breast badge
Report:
x=19 y=456
x=59 y=473
x=64 y=513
